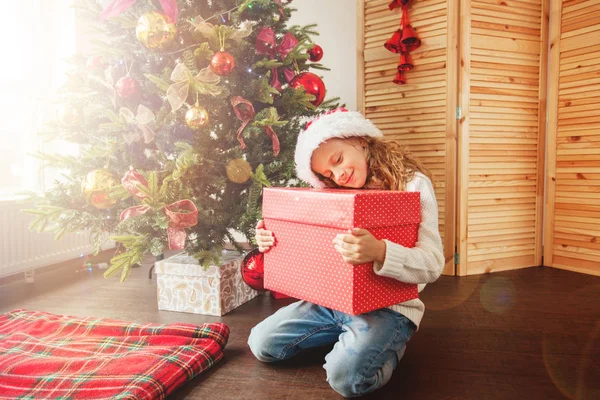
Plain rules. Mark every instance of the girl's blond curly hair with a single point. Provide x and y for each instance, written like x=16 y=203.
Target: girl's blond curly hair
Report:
x=390 y=165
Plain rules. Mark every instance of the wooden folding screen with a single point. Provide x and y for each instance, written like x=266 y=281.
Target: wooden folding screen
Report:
x=501 y=134
x=572 y=234
x=422 y=113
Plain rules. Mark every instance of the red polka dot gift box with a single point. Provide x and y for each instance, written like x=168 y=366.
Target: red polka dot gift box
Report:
x=305 y=265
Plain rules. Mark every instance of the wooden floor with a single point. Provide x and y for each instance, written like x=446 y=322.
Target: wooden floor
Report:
x=527 y=334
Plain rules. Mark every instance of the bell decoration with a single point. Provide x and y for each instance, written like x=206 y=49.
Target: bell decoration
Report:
x=405 y=63
x=403 y=41
x=409 y=40
x=397 y=3
x=400 y=79
x=394 y=43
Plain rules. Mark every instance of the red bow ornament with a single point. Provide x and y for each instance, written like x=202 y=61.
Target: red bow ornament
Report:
x=181 y=214
x=118 y=7
x=266 y=43
x=244 y=110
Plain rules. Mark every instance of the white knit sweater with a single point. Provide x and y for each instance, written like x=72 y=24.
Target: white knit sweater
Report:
x=423 y=263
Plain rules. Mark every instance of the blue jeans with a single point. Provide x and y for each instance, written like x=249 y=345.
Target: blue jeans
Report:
x=366 y=349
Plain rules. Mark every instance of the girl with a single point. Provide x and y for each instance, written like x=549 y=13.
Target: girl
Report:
x=342 y=149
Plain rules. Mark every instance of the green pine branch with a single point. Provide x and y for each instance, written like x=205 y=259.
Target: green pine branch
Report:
x=55 y=160
x=44 y=216
x=136 y=248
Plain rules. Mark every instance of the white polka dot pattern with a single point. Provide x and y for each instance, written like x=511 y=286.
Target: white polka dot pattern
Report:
x=342 y=208
x=304 y=264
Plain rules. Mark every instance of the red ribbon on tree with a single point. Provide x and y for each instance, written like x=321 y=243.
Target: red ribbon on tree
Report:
x=244 y=110
x=266 y=43
x=118 y=7
x=131 y=180
x=181 y=214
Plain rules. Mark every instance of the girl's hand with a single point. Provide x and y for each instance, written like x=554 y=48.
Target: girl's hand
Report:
x=359 y=247
x=264 y=238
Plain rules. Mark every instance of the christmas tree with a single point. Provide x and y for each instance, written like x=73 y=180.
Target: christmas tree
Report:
x=183 y=113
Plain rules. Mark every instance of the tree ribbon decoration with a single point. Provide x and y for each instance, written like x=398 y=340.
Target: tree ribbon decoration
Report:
x=266 y=43
x=204 y=82
x=244 y=110
x=217 y=32
x=138 y=123
x=181 y=214
x=118 y=7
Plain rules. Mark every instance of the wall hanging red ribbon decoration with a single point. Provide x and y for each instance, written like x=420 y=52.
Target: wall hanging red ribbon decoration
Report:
x=181 y=214
x=397 y=3
x=403 y=41
x=244 y=110
x=266 y=43
x=118 y=7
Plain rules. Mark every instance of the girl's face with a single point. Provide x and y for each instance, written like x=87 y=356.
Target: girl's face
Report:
x=343 y=161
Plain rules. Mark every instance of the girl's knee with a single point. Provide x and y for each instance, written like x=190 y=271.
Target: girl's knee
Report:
x=259 y=346
x=343 y=378
x=346 y=385
x=352 y=379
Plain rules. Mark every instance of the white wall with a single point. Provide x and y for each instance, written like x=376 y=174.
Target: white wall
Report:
x=336 y=21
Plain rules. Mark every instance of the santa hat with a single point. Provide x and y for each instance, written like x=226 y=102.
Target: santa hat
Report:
x=338 y=123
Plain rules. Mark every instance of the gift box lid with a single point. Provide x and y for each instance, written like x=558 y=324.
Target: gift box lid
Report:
x=342 y=208
x=186 y=265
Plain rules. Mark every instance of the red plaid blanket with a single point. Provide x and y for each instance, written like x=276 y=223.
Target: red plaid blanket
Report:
x=47 y=356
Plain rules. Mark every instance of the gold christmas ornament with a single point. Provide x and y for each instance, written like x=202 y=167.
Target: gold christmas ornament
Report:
x=239 y=171
x=96 y=188
x=68 y=114
x=196 y=117
x=155 y=30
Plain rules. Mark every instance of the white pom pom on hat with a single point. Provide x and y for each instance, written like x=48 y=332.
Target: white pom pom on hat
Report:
x=338 y=123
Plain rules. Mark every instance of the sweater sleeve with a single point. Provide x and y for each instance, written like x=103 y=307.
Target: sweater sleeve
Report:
x=423 y=263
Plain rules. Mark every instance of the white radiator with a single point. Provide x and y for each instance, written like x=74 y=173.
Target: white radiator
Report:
x=22 y=250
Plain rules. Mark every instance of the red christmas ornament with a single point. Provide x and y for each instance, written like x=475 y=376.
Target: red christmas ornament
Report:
x=397 y=3
x=403 y=41
x=405 y=63
x=394 y=43
x=253 y=270
x=312 y=84
x=222 y=63
x=126 y=87
x=95 y=62
x=409 y=40
x=316 y=53
x=400 y=79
